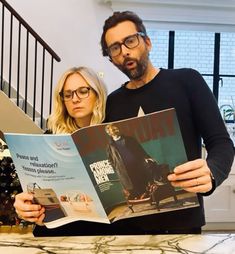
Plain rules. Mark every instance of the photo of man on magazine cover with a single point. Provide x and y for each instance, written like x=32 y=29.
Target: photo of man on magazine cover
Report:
x=125 y=154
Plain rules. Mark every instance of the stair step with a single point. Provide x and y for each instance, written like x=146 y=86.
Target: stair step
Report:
x=21 y=102
x=37 y=120
x=30 y=111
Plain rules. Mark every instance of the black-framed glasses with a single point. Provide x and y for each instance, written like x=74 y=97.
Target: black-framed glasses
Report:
x=130 y=42
x=81 y=92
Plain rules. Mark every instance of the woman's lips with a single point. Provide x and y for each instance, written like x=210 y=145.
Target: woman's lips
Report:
x=77 y=108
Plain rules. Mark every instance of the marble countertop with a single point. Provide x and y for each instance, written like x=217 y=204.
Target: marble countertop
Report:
x=144 y=244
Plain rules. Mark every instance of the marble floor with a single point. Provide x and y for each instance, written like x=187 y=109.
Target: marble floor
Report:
x=209 y=243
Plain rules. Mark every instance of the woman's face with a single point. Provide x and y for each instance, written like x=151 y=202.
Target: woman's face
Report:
x=82 y=102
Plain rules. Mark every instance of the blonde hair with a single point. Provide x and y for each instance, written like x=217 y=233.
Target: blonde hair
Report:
x=60 y=121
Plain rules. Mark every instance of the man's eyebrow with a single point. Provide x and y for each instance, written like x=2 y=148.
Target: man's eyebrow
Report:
x=118 y=42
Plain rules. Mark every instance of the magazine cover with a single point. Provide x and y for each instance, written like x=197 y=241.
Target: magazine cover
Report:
x=105 y=172
x=135 y=155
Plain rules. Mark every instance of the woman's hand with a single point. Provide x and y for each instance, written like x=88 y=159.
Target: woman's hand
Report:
x=28 y=211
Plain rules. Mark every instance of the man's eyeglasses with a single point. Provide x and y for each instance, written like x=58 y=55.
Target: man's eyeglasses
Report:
x=82 y=93
x=130 y=42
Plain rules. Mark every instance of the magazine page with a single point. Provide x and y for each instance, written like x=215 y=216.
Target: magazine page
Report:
x=128 y=162
x=50 y=167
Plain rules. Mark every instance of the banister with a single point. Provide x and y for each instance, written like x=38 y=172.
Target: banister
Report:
x=22 y=72
x=30 y=29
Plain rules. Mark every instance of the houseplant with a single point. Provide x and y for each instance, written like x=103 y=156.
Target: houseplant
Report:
x=228 y=112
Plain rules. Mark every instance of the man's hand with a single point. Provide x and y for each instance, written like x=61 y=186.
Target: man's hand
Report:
x=193 y=176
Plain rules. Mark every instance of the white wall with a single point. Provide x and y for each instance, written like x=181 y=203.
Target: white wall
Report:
x=72 y=28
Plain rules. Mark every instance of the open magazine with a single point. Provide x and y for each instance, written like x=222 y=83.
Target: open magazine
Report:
x=106 y=172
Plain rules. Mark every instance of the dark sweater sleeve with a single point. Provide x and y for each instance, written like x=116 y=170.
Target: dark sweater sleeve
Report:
x=219 y=146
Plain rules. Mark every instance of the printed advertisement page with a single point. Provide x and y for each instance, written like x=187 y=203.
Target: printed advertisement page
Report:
x=50 y=167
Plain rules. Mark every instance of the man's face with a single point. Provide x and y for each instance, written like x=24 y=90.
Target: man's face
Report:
x=132 y=62
x=113 y=131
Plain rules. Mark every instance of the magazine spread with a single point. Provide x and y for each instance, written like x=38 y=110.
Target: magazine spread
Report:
x=106 y=172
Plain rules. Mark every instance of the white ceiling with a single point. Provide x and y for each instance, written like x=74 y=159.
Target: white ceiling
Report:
x=216 y=15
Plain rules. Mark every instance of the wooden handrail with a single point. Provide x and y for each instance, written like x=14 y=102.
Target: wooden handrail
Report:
x=30 y=29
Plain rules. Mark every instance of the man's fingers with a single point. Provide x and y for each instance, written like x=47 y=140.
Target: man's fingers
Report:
x=199 y=184
x=189 y=166
x=200 y=188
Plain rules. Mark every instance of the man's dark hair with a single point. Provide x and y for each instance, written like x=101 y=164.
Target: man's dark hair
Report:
x=117 y=18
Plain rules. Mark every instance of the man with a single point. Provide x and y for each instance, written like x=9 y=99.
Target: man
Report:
x=129 y=159
x=124 y=40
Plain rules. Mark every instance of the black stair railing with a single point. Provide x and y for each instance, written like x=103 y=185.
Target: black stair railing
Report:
x=26 y=64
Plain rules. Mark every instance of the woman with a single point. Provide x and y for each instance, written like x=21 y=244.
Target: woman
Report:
x=79 y=101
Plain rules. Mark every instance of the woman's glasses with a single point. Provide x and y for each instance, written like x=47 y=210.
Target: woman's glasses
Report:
x=81 y=92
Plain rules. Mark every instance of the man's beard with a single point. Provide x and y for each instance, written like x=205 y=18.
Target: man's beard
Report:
x=138 y=71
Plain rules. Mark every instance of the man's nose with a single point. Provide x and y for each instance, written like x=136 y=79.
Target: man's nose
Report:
x=125 y=50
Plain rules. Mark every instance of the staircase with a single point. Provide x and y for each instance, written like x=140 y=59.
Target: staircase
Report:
x=20 y=102
x=26 y=65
